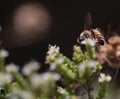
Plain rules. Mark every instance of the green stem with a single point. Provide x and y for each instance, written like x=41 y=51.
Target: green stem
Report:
x=88 y=89
x=89 y=97
x=102 y=90
x=20 y=80
x=1 y=64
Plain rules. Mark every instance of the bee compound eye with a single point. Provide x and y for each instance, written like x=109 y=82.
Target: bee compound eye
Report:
x=101 y=42
x=79 y=39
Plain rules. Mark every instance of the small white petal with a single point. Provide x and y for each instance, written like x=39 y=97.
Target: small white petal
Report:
x=88 y=40
x=81 y=67
x=12 y=67
x=52 y=67
x=30 y=67
x=45 y=76
x=4 y=79
x=4 y=53
x=102 y=75
x=36 y=80
x=92 y=63
x=61 y=90
x=57 y=76
x=65 y=64
x=103 y=78
x=60 y=60
x=9 y=77
x=109 y=78
x=91 y=42
x=52 y=50
x=83 y=42
x=100 y=80
x=27 y=95
x=21 y=94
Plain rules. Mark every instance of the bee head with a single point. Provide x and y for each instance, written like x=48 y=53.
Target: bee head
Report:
x=84 y=35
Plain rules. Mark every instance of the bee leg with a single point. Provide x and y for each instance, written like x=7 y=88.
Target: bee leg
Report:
x=78 y=40
x=116 y=73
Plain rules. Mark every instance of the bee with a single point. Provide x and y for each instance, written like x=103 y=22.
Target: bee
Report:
x=93 y=34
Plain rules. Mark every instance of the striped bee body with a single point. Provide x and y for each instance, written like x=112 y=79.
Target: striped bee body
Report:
x=98 y=37
x=93 y=34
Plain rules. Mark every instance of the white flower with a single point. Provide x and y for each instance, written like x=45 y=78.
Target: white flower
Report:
x=9 y=77
x=4 y=78
x=108 y=78
x=81 y=67
x=27 y=95
x=57 y=76
x=17 y=93
x=46 y=76
x=65 y=64
x=103 y=78
x=52 y=67
x=39 y=79
x=4 y=53
x=52 y=50
x=61 y=90
x=30 y=67
x=89 y=41
x=60 y=60
x=11 y=67
x=36 y=80
x=92 y=64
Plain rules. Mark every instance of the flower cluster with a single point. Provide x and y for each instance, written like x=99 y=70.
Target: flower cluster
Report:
x=104 y=78
x=53 y=50
x=80 y=71
x=91 y=42
x=3 y=53
x=28 y=85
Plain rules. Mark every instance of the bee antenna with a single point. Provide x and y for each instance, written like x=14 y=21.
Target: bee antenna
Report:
x=88 y=21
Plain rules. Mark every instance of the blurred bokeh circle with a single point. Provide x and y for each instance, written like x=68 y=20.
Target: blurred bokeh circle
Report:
x=31 y=23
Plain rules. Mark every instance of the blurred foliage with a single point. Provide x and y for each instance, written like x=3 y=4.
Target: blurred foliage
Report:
x=77 y=76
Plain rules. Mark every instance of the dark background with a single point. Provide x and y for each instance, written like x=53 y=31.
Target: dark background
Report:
x=67 y=23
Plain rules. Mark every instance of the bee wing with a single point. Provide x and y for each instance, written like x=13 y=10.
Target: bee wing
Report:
x=88 y=21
